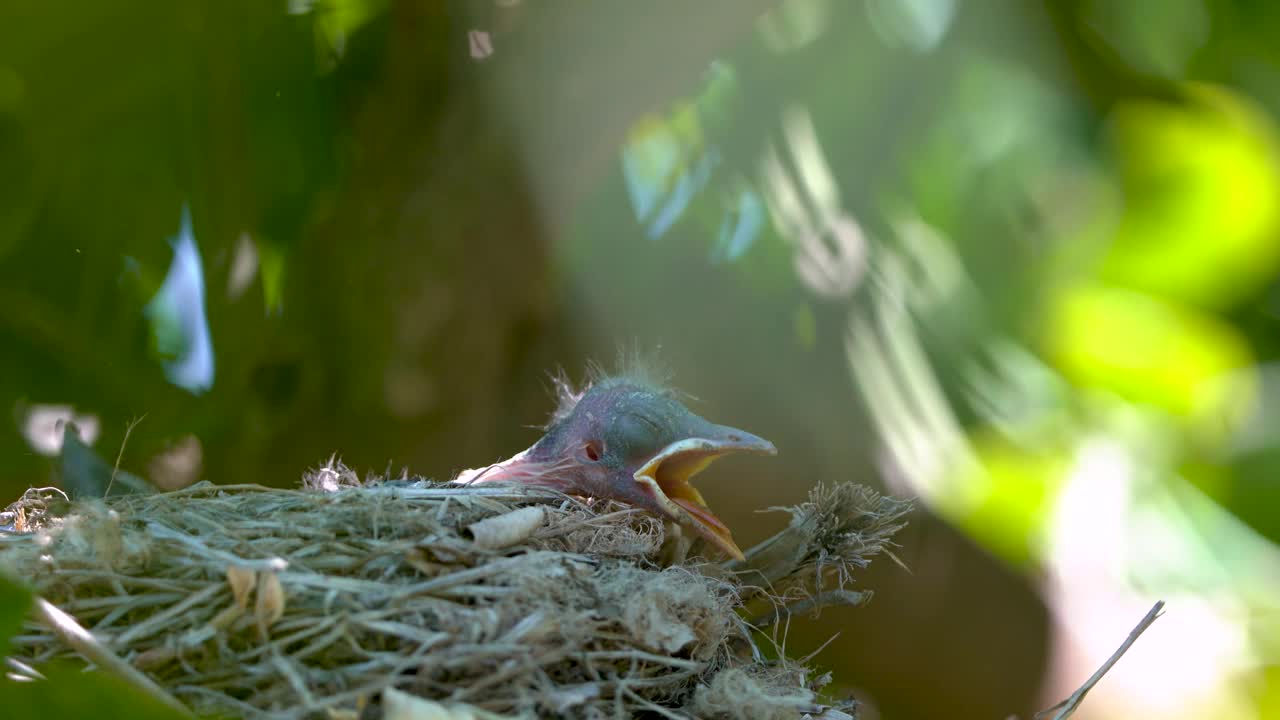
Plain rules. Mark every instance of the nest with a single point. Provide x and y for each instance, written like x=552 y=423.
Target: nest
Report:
x=351 y=599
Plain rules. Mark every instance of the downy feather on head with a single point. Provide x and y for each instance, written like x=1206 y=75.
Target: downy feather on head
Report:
x=633 y=366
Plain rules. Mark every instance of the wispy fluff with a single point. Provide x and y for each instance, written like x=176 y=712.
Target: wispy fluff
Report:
x=633 y=366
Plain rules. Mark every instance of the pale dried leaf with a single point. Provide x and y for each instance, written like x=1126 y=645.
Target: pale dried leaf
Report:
x=242 y=581
x=154 y=657
x=271 y=601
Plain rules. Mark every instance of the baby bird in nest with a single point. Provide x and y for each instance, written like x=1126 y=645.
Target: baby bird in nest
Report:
x=628 y=438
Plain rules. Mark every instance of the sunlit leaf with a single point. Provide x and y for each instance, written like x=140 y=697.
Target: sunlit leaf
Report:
x=740 y=224
x=1268 y=692
x=1009 y=496
x=338 y=20
x=1201 y=185
x=669 y=158
x=271 y=259
x=1153 y=352
x=665 y=165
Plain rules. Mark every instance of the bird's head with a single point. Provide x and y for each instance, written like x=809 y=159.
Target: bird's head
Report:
x=626 y=440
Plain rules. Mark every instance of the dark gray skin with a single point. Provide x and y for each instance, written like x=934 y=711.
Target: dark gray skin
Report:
x=612 y=431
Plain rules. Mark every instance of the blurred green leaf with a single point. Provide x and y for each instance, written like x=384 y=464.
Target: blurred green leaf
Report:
x=1154 y=352
x=15 y=600
x=793 y=24
x=1001 y=130
x=1268 y=693
x=1201 y=184
x=1008 y=495
x=271 y=257
x=68 y=692
x=338 y=20
x=806 y=326
x=1154 y=36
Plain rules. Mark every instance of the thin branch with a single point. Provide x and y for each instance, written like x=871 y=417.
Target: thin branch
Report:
x=120 y=456
x=652 y=706
x=1067 y=707
x=830 y=598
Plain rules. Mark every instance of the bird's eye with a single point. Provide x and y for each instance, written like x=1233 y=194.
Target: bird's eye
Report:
x=592 y=451
x=635 y=436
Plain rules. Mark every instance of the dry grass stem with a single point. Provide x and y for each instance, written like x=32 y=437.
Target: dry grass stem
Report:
x=1067 y=707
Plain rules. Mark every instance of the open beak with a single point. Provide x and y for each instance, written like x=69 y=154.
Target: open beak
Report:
x=667 y=475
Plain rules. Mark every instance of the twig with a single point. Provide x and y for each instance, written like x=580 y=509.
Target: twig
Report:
x=83 y=642
x=819 y=649
x=852 y=598
x=652 y=706
x=120 y=456
x=21 y=672
x=640 y=655
x=1068 y=706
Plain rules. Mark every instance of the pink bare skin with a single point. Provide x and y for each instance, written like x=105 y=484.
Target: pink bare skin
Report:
x=625 y=440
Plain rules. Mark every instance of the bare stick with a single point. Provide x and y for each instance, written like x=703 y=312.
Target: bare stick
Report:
x=83 y=642
x=830 y=598
x=1068 y=706
x=120 y=456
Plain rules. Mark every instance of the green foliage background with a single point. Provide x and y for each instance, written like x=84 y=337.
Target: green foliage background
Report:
x=1075 y=203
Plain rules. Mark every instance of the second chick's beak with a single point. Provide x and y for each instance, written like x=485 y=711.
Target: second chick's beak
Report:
x=624 y=440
